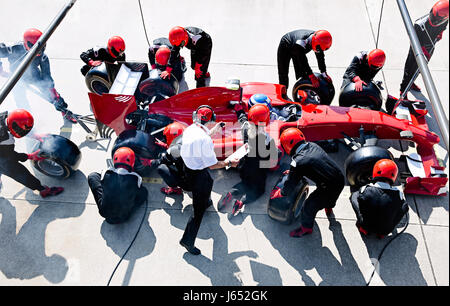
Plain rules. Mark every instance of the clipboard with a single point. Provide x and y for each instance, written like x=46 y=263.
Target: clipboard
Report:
x=238 y=154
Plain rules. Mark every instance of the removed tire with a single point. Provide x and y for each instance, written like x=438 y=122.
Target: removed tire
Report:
x=155 y=86
x=370 y=97
x=287 y=209
x=97 y=80
x=324 y=94
x=62 y=156
x=359 y=164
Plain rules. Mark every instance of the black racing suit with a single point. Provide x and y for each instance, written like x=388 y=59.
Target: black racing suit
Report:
x=175 y=59
x=98 y=54
x=38 y=73
x=200 y=44
x=254 y=167
x=295 y=45
x=428 y=36
x=10 y=160
x=359 y=67
x=117 y=194
x=312 y=162
x=379 y=207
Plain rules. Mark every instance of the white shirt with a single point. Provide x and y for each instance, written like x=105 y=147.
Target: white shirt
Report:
x=197 y=149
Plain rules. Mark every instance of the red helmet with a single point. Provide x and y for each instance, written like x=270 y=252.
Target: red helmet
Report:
x=290 y=138
x=116 y=46
x=259 y=114
x=124 y=157
x=321 y=40
x=30 y=37
x=178 y=37
x=376 y=58
x=172 y=131
x=162 y=55
x=439 y=13
x=19 y=122
x=385 y=168
x=204 y=114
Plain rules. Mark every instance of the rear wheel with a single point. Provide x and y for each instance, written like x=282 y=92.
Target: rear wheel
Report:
x=323 y=95
x=369 y=98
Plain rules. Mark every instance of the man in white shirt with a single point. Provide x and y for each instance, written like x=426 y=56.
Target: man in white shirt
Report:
x=197 y=152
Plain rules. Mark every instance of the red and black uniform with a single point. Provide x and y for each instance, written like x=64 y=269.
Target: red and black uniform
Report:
x=428 y=35
x=200 y=44
x=38 y=73
x=117 y=193
x=175 y=60
x=98 y=54
x=10 y=160
x=379 y=207
x=360 y=67
x=312 y=162
x=295 y=45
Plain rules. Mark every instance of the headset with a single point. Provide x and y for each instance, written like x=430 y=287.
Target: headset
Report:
x=196 y=119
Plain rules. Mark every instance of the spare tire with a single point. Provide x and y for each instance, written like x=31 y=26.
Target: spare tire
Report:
x=370 y=97
x=325 y=92
x=155 y=86
x=62 y=156
x=287 y=209
x=97 y=80
x=359 y=164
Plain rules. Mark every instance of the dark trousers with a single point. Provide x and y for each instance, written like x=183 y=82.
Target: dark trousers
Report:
x=284 y=56
x=202 y=184
x=410 y=68
x=95 y=184
x=246 y=193
x=172 y=177
x=19 y=173
x=202 y=56
x=322 y=197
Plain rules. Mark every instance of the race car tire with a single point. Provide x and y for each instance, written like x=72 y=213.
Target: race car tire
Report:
x=97 y=80
x=325 y=91
x=155 y=86
x=370 y=97
x=287 y=209
x=142 y=143
x=62 y=156
x=359 y=164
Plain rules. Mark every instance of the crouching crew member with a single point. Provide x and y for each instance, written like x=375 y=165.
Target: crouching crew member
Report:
x=295 y=45
x=429 y=29
x=161 y=54
x=200 y=44
x=113 y=52
x=119 y=191
x=309 y=160
x=262 y=156
x=38 y=73
x=197 y=152
x=17 y=124
x=363 y=68
x=379 y=206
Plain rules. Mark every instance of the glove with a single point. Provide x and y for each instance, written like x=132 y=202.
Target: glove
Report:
x=93 y=63
x=358 y=83
x=161 y=144
x=439 y=37
x=286 y=172
x=166 y=74
x=327 y=77
x=198 y=72
x=146 y=162
x=35 y=156
x=314 y=81
x=276 y=193
x=426 y=53
x=153 y=66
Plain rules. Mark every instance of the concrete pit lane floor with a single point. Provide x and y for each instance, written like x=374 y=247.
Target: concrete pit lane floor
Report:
x=63 y=240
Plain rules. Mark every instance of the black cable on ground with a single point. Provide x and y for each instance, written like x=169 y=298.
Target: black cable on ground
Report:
x=143 y=22
x=384 y=248
x=131 y=244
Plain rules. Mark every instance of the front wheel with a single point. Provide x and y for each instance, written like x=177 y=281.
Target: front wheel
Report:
x=323 y=95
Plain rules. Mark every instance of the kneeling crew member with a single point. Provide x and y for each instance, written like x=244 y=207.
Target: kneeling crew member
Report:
x=197 y=152
x=119 y=191
x=19 y=123
x=379 y=206
x=113 y=52
x=161 y=53
x=311 y=161
x=363 y=68
x=262 y=156
x=200 y=44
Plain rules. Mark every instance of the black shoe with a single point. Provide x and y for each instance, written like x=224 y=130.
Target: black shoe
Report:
x=190 y=248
